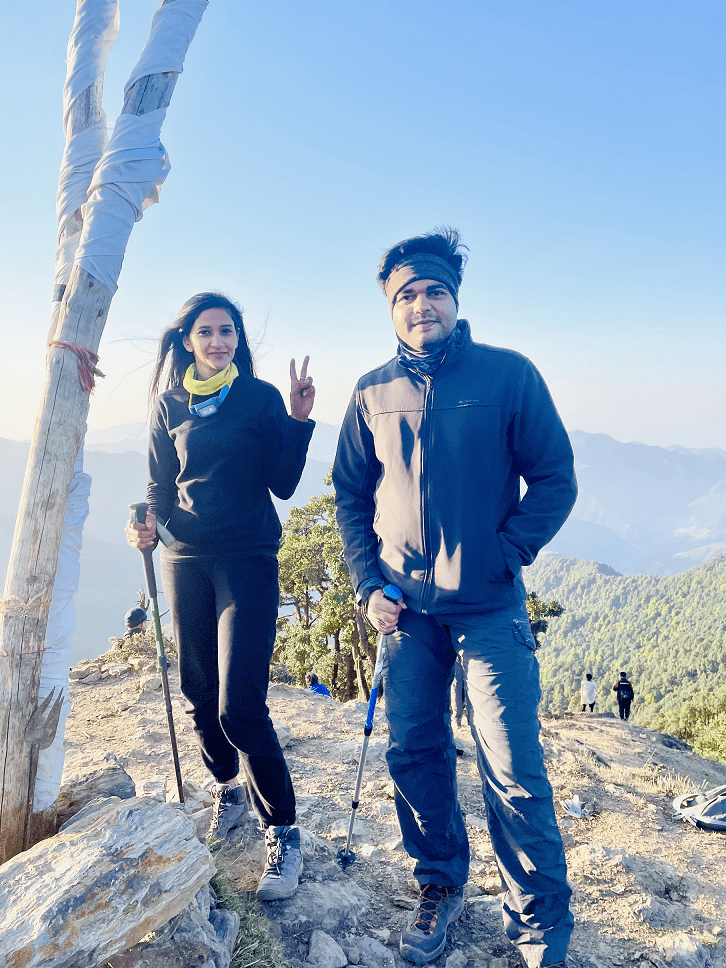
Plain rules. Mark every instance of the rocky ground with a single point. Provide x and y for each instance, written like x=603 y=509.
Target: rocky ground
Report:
x=648 y=889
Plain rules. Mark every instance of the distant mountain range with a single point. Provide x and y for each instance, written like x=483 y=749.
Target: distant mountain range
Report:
x=641 y=509
x=111 y=572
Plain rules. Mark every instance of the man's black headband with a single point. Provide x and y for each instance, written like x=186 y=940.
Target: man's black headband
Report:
x=422 y=265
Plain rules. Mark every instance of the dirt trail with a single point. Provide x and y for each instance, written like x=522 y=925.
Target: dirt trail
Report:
x=642 y=880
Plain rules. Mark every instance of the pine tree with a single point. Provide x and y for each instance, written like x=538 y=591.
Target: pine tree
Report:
x=320 y=626
x=538 y=611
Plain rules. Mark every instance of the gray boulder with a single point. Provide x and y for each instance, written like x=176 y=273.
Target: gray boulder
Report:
x=325 y=952
x=685 y=951
x=122 y=869
x=202 y=935
x=654 y=913
x=94 y=775
x=326 y=906
x=374 y=954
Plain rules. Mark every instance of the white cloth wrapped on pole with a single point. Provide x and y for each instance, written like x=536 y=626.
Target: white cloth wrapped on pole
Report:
x=135 y=163
x=172 y=31
x=95 y=29
x=94 y=32
x=126 y=181
x=81 y=155
x=59 y=634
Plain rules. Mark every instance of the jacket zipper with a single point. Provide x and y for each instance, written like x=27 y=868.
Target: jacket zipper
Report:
x=426 y=432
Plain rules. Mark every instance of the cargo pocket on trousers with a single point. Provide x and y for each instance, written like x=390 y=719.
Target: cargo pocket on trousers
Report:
x=523 y=634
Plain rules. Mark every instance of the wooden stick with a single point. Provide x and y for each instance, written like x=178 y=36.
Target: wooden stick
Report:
x=58 y=434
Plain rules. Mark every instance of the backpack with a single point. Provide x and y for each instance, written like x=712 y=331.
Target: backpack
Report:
x=625 y=690
x=706 y=810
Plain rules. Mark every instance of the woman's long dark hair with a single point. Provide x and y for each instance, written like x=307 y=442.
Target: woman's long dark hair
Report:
x=173 y=359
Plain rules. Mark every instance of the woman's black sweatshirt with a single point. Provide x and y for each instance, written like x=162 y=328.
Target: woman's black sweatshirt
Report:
x=210 y=477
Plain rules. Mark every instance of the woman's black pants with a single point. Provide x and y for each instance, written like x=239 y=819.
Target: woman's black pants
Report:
x=223 y=611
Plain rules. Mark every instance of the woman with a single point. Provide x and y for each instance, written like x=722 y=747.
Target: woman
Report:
x=220 y=441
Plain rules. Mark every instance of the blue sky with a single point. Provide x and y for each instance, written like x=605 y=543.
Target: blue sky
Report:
x=578 y=147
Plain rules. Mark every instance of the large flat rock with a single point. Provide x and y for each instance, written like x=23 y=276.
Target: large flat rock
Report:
x=118 y=871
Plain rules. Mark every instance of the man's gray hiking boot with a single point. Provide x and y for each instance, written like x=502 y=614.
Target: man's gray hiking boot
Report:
x=424 y=937
x=230 y=807
x=284 y=864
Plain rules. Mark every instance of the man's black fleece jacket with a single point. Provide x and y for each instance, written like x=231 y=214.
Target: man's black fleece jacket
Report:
x=427 y=479
x=210 y=477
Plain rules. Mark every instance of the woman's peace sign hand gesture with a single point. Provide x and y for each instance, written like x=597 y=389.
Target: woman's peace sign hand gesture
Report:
x=302 y=392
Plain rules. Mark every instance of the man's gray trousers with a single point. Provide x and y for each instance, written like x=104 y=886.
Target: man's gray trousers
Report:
x=496 y=650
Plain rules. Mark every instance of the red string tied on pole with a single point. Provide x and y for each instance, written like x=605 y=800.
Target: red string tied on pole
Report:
x=87 y=359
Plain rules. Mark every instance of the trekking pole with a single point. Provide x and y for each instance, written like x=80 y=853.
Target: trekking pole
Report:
x=138 y=516
x=346 y=857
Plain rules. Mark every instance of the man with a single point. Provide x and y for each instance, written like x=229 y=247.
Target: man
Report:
x=315 y=685
x=136 y=621
x=427 y=479
x=624 y=688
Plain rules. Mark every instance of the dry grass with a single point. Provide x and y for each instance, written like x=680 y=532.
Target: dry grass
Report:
x=254 y=947
x=654 y=779
x=140 y=646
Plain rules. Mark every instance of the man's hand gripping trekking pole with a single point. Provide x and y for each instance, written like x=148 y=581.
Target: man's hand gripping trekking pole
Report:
x=145 y=539
x=382 y=609
x=389 y=602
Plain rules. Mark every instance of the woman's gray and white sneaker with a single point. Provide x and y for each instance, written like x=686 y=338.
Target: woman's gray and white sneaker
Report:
x=230 y=807
x=284 y=864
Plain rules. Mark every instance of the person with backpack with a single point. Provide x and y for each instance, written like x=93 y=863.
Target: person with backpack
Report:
x=624 y=688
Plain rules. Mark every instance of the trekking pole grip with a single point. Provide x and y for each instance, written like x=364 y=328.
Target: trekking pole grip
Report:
x=138 y=516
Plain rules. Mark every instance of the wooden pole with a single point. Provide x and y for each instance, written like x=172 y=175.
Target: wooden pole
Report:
x=29 y=583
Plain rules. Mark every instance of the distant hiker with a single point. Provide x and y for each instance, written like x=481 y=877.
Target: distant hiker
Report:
x=588 y=692
x=427 y=487
x=458 y=694
x=624 y=688
x=314 y=685
x=220 y=441
x=458 y=703
x=136 y=621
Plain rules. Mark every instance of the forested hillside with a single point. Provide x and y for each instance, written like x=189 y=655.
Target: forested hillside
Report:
x=667 y=632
